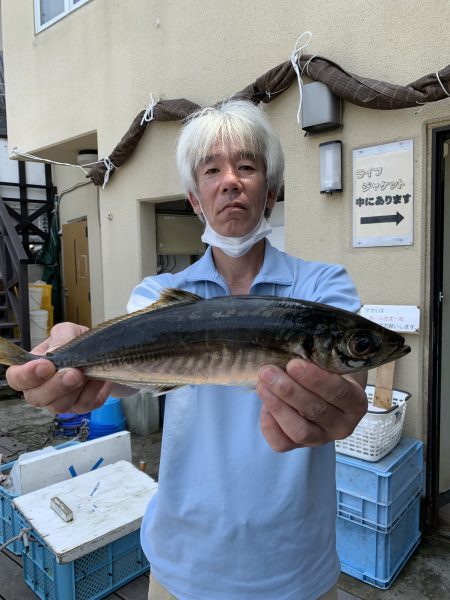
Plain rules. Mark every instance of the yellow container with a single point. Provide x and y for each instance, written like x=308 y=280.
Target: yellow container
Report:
x=44 y=291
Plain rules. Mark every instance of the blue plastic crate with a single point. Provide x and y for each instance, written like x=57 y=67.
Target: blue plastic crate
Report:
x=9 y=527
x=375 y=557
x=92 y=576
x=375 y=494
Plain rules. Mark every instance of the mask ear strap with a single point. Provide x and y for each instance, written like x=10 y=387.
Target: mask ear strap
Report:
x=202 y=216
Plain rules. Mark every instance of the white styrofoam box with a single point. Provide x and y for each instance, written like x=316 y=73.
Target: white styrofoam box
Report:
x=41 y=470
x=107 y=504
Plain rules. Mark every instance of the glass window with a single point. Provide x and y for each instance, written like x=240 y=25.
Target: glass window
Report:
x=48 y=12
x=49 y=9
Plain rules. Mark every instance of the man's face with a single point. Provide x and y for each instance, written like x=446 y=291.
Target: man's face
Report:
x=231 y=191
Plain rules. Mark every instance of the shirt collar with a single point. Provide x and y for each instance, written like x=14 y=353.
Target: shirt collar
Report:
x=275 y=268
x=204 y=269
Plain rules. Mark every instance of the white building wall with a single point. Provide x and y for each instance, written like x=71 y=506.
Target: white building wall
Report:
x=83 y=202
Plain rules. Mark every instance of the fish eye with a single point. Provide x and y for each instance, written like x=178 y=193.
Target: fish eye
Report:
x=360 y=343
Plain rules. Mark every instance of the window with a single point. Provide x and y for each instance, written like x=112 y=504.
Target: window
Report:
x=47 y=12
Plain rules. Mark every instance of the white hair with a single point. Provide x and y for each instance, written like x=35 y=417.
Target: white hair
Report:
x=238 y=125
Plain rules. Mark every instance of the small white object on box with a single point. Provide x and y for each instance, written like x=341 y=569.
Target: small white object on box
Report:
x=379 y=431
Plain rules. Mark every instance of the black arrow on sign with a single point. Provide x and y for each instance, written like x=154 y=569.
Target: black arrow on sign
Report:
x=397 y=218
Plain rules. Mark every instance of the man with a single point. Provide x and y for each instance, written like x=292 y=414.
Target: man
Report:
x=246 y=501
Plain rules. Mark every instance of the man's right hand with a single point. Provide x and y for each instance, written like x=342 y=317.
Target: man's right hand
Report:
x=62 y=391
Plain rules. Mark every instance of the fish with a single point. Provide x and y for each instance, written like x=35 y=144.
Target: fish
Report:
x=183 y=339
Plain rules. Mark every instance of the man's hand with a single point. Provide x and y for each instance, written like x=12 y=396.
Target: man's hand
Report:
x=59 y=391
x=307 y=406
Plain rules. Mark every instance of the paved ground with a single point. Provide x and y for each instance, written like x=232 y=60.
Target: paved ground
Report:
x=425 y=577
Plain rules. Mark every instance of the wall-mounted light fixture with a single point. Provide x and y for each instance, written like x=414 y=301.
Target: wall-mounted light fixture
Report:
x=330 y=167
x=86 y=157
x=321 y=109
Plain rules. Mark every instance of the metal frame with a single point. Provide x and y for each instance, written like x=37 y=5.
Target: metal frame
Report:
x=25 y=226
x=432 y=500
x=69 y=6
x=15 y=253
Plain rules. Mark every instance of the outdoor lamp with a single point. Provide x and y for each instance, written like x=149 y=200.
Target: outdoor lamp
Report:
x=87 y=157
x=330 y=167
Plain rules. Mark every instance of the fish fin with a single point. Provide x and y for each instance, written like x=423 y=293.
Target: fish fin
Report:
x=158 y=389
x=171 y=296
x=168 y=297
x=11 y=354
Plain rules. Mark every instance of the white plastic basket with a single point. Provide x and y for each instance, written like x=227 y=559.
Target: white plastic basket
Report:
x=379 y=431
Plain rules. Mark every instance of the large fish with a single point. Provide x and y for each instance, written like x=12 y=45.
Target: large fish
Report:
x=184 y=339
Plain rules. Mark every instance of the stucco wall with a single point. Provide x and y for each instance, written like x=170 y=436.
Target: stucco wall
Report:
x=94 y=71
x=82 y=202
x=1 y=35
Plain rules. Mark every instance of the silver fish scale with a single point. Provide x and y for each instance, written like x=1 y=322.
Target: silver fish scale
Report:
x=214 y=363
x=248 y=320
x=227 y=333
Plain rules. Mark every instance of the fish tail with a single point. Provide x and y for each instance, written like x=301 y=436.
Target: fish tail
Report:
x=11 y=354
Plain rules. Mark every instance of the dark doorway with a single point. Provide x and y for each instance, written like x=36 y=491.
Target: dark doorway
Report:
x=437 y=515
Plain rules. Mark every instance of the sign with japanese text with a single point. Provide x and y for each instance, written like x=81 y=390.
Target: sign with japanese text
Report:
x=383 y=187
x=404 y=319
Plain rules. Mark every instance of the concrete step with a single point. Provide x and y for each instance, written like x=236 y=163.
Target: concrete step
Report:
x=14 y=340
x=6 y=324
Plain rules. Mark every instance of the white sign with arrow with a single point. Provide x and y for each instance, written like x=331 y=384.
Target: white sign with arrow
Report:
x=383 y=188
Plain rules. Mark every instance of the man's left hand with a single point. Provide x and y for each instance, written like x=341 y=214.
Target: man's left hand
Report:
x=308 y=406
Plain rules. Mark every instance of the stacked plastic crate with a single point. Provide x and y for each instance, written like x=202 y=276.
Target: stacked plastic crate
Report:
x=8 y=522
x=378 y=507
x=98 y=549
x=90 y=577
x=9 y=527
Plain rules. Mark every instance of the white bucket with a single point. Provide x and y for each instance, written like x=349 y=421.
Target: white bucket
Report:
x=35 y=296
x=38 y=326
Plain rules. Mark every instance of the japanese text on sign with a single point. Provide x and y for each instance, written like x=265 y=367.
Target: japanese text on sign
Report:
x=401 y=318
x=383 y=195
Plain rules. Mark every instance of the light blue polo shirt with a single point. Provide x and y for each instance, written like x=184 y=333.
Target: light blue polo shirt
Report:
x=233 y=519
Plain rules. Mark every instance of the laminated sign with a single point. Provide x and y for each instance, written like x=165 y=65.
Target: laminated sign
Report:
x=400 y=318
x=383 y=188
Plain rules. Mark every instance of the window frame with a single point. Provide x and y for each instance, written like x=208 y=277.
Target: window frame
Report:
x=69 y=7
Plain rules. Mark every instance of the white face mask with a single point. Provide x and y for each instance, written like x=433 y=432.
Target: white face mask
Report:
x=236 y=246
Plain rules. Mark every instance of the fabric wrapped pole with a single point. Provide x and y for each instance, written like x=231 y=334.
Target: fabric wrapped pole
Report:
x=270 y=85
x=164 y=110
x=371 y=93
x=362 y=91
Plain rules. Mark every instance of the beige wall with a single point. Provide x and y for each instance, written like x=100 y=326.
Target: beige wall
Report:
x=1 y=35
x=82 y=202
x=94 y=70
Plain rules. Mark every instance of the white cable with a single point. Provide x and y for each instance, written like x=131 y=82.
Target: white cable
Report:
x=148 y=115
x=306 y=65
x=22 y=535
x=17 y=153
x=423 y=104
x=109 y=168
x=441 y=84
x=295 y=57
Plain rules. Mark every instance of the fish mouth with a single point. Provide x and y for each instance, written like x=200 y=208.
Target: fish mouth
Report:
x=398 y=353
